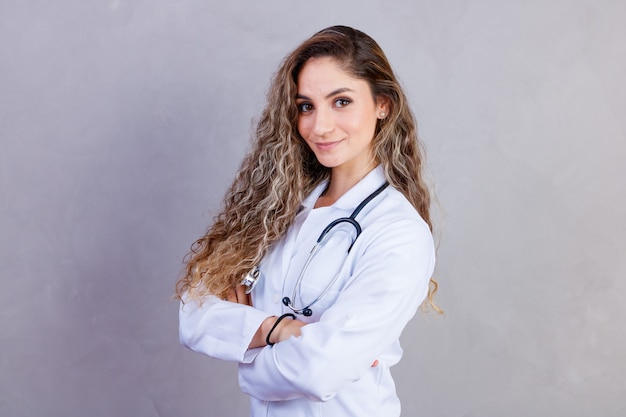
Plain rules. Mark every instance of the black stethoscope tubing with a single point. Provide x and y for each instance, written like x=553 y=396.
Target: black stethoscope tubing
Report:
x=306 y=311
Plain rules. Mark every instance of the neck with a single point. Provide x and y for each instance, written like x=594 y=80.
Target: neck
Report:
x=340 y=182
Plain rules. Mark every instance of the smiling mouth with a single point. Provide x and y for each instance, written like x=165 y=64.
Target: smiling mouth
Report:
x=326 y=146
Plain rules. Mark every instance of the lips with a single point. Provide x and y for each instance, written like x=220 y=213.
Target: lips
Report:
x=327 y=146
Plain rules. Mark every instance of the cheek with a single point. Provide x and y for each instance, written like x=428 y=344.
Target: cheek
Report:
x=371 y=123
x=360 y=126
x=361 y=120
x=303 y=127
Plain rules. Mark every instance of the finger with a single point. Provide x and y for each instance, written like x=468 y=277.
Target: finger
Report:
x=288 y=328
x=242 y=297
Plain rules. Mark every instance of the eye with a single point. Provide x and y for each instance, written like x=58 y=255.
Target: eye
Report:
x=342 y=102
x=305 y=107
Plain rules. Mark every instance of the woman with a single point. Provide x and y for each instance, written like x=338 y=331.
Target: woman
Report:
x=319 y=331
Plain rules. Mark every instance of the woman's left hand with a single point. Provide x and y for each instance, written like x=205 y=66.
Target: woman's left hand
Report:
x=238 y=295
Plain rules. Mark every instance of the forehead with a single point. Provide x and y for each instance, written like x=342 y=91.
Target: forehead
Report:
x=322 y=75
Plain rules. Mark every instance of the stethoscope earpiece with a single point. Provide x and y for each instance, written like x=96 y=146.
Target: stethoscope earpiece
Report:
x=304 y=311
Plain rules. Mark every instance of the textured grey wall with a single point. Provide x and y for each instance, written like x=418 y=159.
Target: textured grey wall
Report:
x=122 y=122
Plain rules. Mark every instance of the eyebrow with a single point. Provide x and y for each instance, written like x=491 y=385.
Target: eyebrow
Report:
x=331 y=94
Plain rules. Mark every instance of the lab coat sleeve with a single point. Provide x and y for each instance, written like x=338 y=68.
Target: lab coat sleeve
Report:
x=220 y=329
x=389 y=283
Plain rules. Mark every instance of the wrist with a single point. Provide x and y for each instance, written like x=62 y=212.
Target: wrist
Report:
x=273 y=333
x=267 y=325
x=258 y=340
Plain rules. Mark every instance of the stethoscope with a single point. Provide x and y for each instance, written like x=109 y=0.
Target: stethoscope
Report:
x=251 y=279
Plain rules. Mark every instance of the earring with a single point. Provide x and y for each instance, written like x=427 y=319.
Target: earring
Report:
x=383 y=114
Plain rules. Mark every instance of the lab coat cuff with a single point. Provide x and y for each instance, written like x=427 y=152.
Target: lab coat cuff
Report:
x=219 y=329
x=251 y=354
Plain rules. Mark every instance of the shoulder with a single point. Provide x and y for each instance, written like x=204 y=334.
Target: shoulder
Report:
x=393 y=208
x=396 y=243
x=392 y=220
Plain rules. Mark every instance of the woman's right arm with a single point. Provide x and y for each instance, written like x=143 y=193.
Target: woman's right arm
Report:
x=220 y=329
x=227 y=329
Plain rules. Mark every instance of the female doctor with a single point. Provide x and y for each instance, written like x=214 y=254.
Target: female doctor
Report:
x=323 y=250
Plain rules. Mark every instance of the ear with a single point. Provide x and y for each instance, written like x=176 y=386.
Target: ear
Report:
x=382 y=107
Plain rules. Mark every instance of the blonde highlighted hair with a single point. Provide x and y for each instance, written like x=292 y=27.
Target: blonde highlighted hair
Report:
x=281 y=170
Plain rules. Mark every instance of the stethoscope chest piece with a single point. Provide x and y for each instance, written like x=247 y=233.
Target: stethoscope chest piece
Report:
x=251 y=279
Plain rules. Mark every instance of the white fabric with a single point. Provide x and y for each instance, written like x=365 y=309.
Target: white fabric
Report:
x=327 y=370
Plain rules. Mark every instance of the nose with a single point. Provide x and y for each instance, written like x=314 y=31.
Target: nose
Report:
x=323 y=123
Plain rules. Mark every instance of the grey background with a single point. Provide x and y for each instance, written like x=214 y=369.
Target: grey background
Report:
x=122 y=122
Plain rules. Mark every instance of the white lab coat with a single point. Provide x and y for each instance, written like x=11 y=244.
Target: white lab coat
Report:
x=327 y=370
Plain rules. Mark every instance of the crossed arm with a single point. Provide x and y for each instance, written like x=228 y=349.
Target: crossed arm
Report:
x=367 y=318
x=283 y=331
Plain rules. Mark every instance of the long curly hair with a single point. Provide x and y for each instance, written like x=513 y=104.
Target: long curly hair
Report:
x=281 y=169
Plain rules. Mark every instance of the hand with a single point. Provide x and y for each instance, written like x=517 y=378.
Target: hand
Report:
x=238 y=295
x=285 y=329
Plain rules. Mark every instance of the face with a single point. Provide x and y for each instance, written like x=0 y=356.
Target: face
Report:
x=337 y=116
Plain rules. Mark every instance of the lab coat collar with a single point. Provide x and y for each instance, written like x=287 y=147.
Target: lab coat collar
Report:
x=354 y=195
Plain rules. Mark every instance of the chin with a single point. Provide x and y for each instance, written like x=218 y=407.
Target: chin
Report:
x=328 y=164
